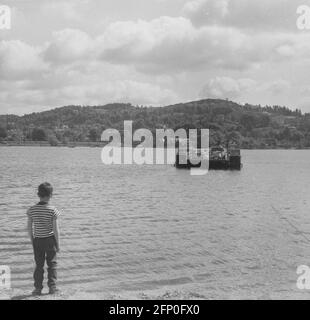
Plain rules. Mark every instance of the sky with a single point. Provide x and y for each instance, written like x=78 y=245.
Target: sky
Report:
x=153 y=52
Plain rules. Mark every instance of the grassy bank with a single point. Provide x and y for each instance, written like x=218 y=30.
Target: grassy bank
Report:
x=47 y=144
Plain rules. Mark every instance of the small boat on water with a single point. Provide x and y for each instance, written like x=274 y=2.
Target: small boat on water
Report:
x=219 y=158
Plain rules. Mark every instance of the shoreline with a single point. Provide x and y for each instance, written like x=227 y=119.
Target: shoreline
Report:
x=103 y=144
x=166 y=293
x=60 y=145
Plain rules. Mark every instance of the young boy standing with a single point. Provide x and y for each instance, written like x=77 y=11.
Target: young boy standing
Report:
x=43 y=231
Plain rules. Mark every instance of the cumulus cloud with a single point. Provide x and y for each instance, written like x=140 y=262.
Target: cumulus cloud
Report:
x=173 y=44
x=19 y=60
x=226 y=87
x=84 y=82
x=204 y=12
x=231 y=88
x=258 y=15
x=276 y=87
x=66 y=9
x=68 y=45
x=157 y=61
x=116 y=91
x=17 y=98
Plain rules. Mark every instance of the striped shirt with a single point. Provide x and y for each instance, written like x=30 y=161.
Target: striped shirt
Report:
x=42 y=216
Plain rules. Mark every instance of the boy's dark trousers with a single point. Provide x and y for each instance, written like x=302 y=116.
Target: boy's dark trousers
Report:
x=45 y=249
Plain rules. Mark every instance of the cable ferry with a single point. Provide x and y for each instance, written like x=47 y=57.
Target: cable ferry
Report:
x=219 y=158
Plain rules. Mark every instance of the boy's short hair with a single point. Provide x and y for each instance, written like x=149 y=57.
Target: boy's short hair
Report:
x=45 y=190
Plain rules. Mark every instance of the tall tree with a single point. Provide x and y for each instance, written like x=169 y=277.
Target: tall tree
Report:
x=39 y=134
x=3 y=133
x=93 y=135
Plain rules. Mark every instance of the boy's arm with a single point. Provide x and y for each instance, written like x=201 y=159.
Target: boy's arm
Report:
x=56 y=233
x=29 y=229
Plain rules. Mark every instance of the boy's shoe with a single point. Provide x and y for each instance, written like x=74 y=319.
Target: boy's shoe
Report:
x=53 y=291
x=36 y=292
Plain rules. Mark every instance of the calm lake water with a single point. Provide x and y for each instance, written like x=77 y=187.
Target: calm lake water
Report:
x=134 y=230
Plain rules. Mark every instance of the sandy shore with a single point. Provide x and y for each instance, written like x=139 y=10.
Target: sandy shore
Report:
x=157 y=294
x=76 y=294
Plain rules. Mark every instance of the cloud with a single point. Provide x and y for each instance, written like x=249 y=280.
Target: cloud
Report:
x=68 y=45
x=239 y=48
x=21 y=99
x=276 y=87
x=203 y=12
x=83 y=83
x=68 y=10
x=170 y=44
x=19 y=60
x=226 y=87
x=243 y=88
x=117 y=91
x=175 y=44
x=259 y=15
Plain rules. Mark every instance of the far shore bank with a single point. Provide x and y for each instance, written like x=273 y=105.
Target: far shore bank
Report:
x=102 y=144
x=47 y=144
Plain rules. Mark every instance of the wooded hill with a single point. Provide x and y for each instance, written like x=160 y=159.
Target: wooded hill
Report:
x=247 y=125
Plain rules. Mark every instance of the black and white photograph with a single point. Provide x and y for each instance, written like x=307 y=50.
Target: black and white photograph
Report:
x=154 y=150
